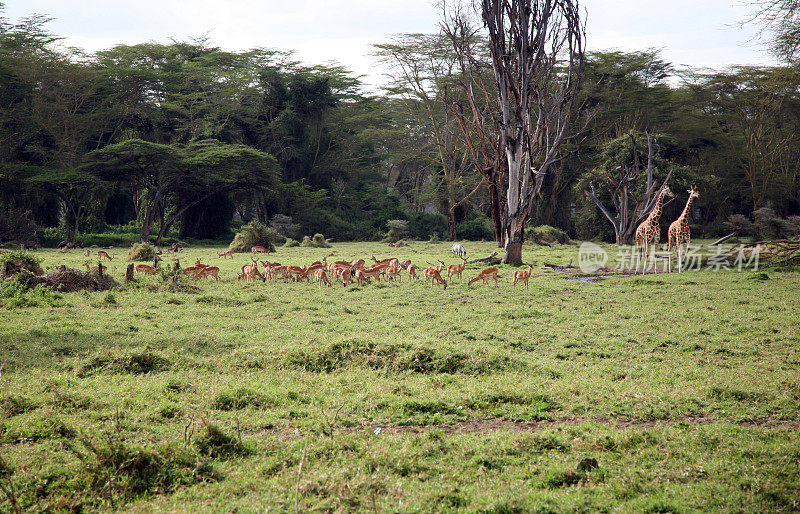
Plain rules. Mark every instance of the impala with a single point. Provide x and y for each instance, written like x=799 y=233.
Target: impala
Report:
x=433 y=274
x=102 y=268
x=361 y=277
x=322 y=278
x=412 y=273
x=226 y=253
x=393 y=272
x=147 y=270
x=523 y=275
x=387 y=261
x=346 y=274
x=485 y=275
x=369 y=273
x=210 y=271
x=357 y=263
x=102 y=253
x=404 y=263
x=259 y=249
x=456 y=269
x=88 y=253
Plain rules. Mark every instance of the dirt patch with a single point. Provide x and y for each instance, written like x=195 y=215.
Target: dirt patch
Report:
x=497 y=424
x=15 y=266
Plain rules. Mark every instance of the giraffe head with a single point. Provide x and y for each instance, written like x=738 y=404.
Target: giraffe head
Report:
x=693 y=192
x=667 y=192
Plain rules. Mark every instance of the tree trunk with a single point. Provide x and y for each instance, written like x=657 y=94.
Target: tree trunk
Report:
x=515 y=237
x=494 y=197
x=451 y=224
x=129 y=273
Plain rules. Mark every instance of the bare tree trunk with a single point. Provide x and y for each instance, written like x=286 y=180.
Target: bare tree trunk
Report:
x=497 y=220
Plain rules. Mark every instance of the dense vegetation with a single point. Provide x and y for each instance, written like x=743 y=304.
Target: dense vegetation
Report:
x=186 y=140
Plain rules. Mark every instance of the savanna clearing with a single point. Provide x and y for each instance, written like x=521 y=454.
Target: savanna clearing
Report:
x=684 y=389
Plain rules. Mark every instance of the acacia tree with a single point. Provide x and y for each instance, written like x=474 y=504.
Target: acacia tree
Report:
x=537 y=50
x=475 y=112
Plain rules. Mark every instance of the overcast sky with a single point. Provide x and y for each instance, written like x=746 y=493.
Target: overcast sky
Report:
x=698 y=34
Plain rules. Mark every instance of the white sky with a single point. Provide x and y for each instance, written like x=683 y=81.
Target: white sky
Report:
x=689 y=32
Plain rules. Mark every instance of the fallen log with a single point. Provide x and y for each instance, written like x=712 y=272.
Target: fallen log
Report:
x=556 y=266
x=492 y=259
x=542 y=242
x=722 y=239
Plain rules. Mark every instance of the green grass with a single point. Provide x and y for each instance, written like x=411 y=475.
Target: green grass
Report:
x=400 y=397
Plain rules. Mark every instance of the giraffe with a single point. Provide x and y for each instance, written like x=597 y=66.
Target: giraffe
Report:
x=649 y=231
x=679 y=229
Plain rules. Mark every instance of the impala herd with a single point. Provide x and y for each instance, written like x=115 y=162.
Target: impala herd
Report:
x=324 y=273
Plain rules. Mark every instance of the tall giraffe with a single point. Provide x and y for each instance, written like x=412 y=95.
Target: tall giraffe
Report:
x=679 y=229
x=649 y=231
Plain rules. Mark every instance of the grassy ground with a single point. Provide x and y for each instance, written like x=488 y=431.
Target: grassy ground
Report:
x=684 y=388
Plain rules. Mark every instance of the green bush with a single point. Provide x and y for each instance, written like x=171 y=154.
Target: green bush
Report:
x=253 y=234
x=478 y=227
x=396 y=230
x=141 y=252
x=547 y=234
x=291 y=243
x=318 y=241
x=215 y=443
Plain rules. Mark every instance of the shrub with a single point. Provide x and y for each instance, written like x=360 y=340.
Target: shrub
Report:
x=141 y=252
x=547 y=234
x=768 y=224
x=740 y=224
x=253 y=234
x=17 y=225
x=396 y=230
x=423 y=226
x=291 y=243
x=318 y=241
x=478 y=227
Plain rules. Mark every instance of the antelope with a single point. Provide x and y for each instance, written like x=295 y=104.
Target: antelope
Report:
x=323 y=263
x=295 y=270
x=368 y=273
x=102 y=268
x=322 y=278
x=523 y=275
x=226 y=253
x=199 y=264
x=250 y=272
x=346 y=273
x=212 y=271
x=259 y=249
x=357 y=263
x=361 y=277
x=338 y=264
x=88 y=253
x=404 y=263
x=102 y=254
x=393 y=272
x=432 y=274
x=174 y=248
x=485 y=275
x=144 y=268
x=387 y=261
x=412 y=273
x=456 y=269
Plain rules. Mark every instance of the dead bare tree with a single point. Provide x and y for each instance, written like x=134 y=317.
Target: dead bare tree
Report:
x=622 y=184
x=537 y=51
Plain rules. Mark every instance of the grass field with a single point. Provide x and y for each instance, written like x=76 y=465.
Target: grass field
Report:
x=684 y=388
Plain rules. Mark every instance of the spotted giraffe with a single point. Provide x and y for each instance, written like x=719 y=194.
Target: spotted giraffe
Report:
x=679 y=229
x=648 y=232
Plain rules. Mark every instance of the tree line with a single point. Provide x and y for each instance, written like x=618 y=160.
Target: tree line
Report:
x=186 y=139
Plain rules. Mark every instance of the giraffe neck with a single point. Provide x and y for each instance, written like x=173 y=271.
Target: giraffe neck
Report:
x=686 y=210
x=657 y=209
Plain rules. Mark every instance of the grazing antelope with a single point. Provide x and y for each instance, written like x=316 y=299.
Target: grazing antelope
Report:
x=412 y=273
x=259 y=249
x=174 y=248
x=370 y=273
x=144 y=268
x=88 y=253
x=210 y=271
x=362 y=278
x=523 y=275
x=322 y=278
x=393 y=272
x=404 y=263
x=485 y=275
x=226 y=253
x=456 y=269
x=102 y=254
x=387 y=261
x=250 y=271
x=433 y=274
x=357 y=263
